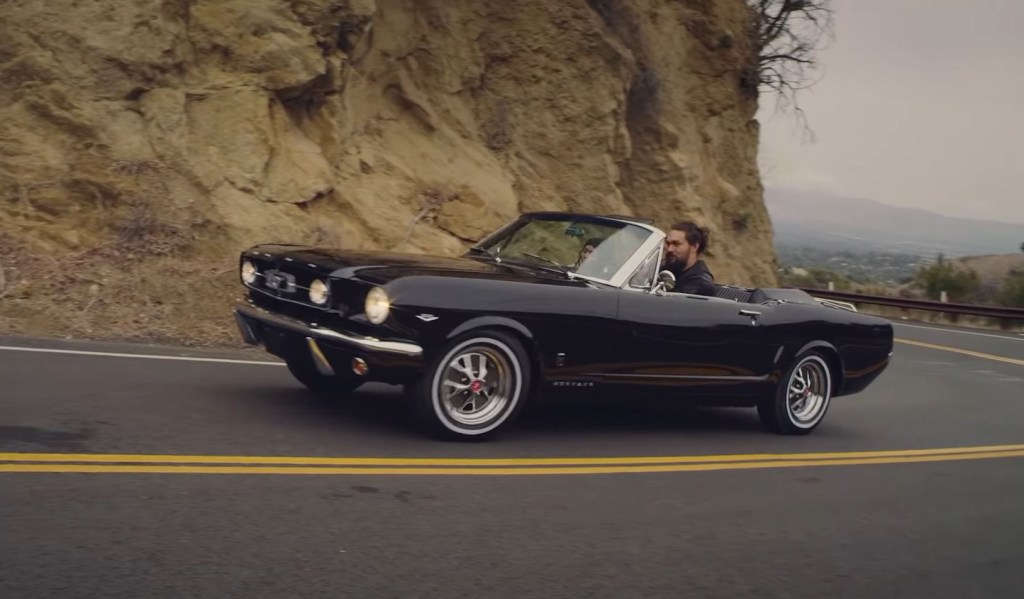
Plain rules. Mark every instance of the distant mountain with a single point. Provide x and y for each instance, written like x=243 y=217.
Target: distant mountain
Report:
x=821 y=220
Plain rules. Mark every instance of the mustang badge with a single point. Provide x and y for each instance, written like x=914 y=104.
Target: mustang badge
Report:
x=281 y=281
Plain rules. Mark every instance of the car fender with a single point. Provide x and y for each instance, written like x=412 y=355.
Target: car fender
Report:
x=483 y=322
x=832 y=352
x=480 y=322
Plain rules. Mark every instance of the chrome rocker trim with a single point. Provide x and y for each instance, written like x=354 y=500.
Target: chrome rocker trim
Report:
x=309 y=330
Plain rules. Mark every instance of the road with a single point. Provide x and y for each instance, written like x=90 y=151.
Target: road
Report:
x=717 y=519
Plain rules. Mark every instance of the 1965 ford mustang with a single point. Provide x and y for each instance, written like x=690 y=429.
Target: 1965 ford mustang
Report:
x=527 y=311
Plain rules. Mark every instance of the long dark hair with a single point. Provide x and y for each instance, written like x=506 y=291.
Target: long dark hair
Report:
x=698 y=236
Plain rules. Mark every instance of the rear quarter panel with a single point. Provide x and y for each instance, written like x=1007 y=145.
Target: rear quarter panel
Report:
x=862 y=344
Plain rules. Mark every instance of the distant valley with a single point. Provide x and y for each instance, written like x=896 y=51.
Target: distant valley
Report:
x=824 y=222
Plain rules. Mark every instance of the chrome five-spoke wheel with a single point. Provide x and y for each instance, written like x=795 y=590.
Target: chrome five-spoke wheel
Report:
x=808 y=392
x=802 y=399
x=476 y=387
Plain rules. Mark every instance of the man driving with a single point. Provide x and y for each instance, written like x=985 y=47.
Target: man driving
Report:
x=684 y=245
x=588 y=249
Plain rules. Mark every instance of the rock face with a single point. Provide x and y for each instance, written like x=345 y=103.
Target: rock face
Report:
x=168 y=134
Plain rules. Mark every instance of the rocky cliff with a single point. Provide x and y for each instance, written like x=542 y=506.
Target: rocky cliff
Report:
x=144 y=142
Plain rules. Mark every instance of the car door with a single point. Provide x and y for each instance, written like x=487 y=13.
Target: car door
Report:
x=701 y=343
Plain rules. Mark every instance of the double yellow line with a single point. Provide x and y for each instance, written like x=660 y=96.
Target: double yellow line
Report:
x=206 y=464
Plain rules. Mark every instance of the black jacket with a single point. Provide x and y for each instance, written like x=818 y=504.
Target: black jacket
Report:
x=697 y=279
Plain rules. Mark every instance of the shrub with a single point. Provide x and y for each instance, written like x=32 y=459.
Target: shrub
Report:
x=1012 y=294
x=961 y=284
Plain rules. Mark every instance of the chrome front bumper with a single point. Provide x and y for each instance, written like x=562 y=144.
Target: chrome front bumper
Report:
x=313 y=332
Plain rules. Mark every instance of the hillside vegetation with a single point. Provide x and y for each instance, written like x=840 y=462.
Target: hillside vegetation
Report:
x=994 y=280
x=143 y=143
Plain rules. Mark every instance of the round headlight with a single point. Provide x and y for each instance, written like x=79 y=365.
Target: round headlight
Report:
x=377 y=305
x=248 y=272
x=318 y=292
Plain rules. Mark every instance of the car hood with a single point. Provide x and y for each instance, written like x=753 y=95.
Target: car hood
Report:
x=381 y=267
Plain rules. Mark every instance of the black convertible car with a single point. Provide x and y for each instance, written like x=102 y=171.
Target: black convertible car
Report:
x=527 y=310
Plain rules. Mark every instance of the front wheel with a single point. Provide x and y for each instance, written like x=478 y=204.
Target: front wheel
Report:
x=322 y=384
x=799 y=404
x=475 y=388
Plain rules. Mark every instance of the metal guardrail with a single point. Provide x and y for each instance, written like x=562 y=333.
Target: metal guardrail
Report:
x=1000 y=312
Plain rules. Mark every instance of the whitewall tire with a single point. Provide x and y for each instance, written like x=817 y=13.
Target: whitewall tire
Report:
x=802 y=398
x=475 y=387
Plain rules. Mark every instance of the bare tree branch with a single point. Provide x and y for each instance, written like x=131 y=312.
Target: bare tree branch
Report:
x=787 y=34
x=777 y=57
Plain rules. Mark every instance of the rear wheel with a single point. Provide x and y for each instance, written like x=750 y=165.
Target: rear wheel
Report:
x=475 y=388
x=799 y=403
x=322 y=384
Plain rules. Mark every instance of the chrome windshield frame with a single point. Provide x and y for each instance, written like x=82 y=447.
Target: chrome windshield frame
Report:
x=620 y=279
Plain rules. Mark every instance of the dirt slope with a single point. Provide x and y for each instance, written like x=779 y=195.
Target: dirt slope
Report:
x=144 y=142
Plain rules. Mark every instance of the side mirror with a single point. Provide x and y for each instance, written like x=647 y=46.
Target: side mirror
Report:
x=666 y=282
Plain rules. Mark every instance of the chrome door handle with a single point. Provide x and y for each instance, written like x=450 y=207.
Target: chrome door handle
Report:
x=753 y=314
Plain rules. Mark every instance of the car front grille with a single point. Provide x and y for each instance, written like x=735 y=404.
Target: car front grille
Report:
x=283 y=286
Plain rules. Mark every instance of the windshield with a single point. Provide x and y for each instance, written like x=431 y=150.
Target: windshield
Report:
x=593 y=248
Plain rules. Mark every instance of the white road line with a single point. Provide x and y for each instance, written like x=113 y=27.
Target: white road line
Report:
x=141 y=356
x=915 y=326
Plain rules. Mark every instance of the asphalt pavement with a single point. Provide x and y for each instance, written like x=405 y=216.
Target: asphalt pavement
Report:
x=932 y=517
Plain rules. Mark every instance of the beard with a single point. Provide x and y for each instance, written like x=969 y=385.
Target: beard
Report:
x=674 y=259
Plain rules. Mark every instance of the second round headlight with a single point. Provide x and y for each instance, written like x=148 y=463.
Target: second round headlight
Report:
x=377 y=305
x=248 y=272
x=318 y=292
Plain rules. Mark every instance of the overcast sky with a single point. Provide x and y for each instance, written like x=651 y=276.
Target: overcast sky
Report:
x=920 y=104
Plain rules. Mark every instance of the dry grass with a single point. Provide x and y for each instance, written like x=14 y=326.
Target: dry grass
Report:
x=154 y=276
x=995 y=269
x=135 y=288
x=152 y=272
